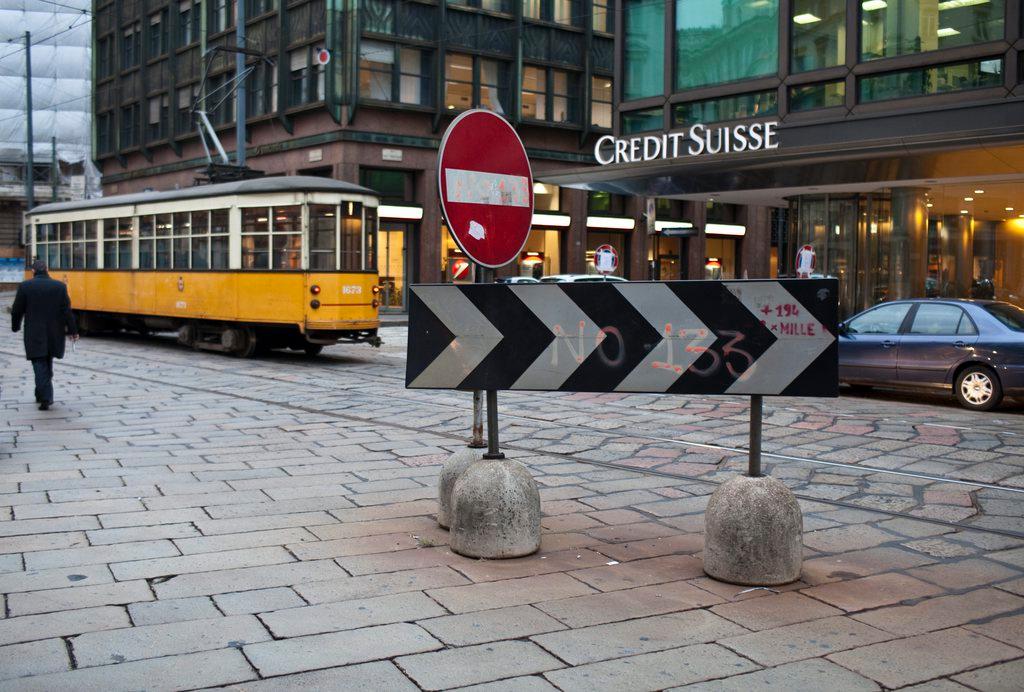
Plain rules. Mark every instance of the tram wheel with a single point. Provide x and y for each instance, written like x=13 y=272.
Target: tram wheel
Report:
x=239 y=342
x=313 y=349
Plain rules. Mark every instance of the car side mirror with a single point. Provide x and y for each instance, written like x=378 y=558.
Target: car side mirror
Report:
x=842 y=329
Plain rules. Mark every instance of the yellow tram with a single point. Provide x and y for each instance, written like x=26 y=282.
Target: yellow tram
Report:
x=277 y=262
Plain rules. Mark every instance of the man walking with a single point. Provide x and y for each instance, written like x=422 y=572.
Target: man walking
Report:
x=46 y=308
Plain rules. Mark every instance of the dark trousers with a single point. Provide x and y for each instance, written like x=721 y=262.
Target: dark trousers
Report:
x=43 y=368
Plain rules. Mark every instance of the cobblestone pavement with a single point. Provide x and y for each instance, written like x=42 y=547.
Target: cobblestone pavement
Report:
x=186 y=520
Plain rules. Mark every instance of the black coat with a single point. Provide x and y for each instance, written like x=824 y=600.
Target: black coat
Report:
x=46 y=308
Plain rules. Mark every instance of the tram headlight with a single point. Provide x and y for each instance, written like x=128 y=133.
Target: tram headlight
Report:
x=314 y=289
x=375 y=303
x=315 y=304
x=376 y=289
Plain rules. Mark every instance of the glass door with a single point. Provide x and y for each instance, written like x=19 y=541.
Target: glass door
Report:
x=393 y=264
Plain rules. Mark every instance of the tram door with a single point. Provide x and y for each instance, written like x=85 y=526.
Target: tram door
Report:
x=393 y=264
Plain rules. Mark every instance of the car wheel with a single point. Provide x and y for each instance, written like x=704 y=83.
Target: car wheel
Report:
x=977 y=388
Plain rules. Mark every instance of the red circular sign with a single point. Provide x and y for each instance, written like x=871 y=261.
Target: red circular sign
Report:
x=486 y=187
x=606 y=260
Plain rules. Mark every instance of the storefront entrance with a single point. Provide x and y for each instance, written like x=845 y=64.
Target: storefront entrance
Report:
x=394 y=246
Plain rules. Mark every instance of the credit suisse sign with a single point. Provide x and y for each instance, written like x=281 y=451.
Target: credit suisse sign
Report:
x=697 y=140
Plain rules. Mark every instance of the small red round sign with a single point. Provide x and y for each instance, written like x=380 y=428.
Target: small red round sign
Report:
x=486 y=187
x=606 y=260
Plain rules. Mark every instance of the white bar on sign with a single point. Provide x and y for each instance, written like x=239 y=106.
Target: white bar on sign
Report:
x=477 y=187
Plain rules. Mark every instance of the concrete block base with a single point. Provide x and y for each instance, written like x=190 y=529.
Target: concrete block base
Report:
x=458 y=462
x=753 y=533
x=495 y=511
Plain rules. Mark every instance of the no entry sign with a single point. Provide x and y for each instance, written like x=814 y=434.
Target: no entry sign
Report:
x=486 y=187
x=606 y=260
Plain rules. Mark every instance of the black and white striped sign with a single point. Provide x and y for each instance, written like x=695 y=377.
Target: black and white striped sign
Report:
x=679 y=337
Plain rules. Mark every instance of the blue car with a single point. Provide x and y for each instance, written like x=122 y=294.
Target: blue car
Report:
x=974 y=347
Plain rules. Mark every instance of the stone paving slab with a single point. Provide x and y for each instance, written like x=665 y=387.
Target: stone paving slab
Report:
x=198 y=528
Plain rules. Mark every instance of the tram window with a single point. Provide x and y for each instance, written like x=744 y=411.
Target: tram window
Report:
x=351 y=236
x=124 y=242
x=78 y=254
x=371 y=238
x=200 y=252
x=53 y=256
x=65 y=256
x=287 y=238
x=65 y=231
x=219 y=252
x=182 y=231
x=163 y=253
x=322 y=237
x=255 y=240
x=146 y=227
x=78 y=231
x=145 y=253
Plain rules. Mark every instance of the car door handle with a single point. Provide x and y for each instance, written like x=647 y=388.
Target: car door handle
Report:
x=888 y=344
x=960 y=344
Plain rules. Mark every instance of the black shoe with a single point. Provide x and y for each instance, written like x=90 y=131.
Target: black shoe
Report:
x=45 y=405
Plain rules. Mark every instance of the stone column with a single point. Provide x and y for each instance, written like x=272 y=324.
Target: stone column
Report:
x=957 y=237
x=697 y=214
x=428 y=254
x=755 y=248
x=908 y=245
x=575 y=246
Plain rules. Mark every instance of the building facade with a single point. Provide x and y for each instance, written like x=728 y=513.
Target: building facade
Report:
x=396 y=72
x=896 y=147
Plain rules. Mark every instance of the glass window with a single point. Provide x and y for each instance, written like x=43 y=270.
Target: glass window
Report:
x=162 y=230
x=158 y=33
x=564 y=96
x=728 y=108
x=1011 y=316
x=220 y=15
x=287 y=238
x=322 y=237
x=131 y=46
x=532 y=9
x=255 y=240
x=932 y=80
x=261 y=89
x=810 y=96
x=644 y=55
x=414 y=76
x=186 y=95
x=104 y=57
x=220 y=105
x=493 y=82
x=157 y=126
x=939 y=319
x=563 y=12
x=376 y=62
x=719 y=41
x=219 y=239
x=601 y=102
x=601 y=17
x=200 y=241
x=391 y=185
x=458 y=81
x=643 y=121
x=882 y=320
x=188 y=22
x=351 y=236
x=181 y=245
x=818 y=34
x=899 y=27
x=534 y=93
x=129 y=126
x=307 y=79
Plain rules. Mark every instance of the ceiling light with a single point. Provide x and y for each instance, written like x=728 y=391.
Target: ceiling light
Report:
x=964 y=211
x=947 y=31
x=806 y=18
x=929 y=205
x=1009 y=209
x=968 y=199
x=954 y=4
x=872 y=5
x=979 y=192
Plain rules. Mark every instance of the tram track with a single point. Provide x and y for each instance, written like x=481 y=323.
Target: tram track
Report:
x=839 y=503
x=636 y=433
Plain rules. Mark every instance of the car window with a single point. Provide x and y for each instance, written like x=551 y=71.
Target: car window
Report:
x=1010 y=315
x=938 y=318
x=881 y=320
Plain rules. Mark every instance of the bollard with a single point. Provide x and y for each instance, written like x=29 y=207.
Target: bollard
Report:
x=495 y=511
x=753 y=526
x=457 y=463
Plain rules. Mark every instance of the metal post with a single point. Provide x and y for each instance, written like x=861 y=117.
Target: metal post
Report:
x=30 y=183
x=480 y=276
x=240 y=92
x=478 y=421
x=54 y=169
x=492 y=426
x=756 y=409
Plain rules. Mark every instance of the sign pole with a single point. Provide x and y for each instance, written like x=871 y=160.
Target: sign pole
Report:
x=479 y=276
x=754 y=461
x=492 y=426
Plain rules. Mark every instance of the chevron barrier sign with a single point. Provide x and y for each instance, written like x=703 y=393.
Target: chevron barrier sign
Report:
x=663 y=337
